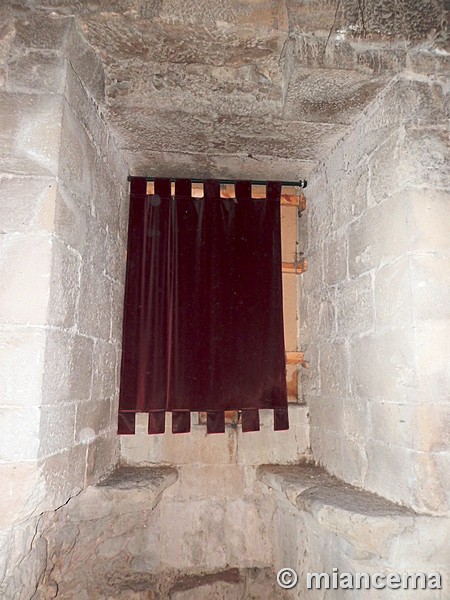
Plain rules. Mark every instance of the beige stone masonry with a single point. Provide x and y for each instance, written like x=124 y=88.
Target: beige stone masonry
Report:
x=364 y=533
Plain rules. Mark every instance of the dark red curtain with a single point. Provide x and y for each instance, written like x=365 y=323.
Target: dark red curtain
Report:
x=203 y=318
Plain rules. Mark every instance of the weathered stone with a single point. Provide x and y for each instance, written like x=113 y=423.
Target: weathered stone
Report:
x=25 y=266
x=71 y=219
x=104 y=383
x=64 y=286
x=35 y=30
x=335 y=260
x=92 y=418
x=428 y=217
x=36 y=71
x=380 y=236
x=180 y=449
x=432 y=348
x=87 y=65
x=24 y=347
x=27 y=204
x=30 y=133
x=68 y=367
x=102 y=455
x=19 y=483
x=19 y=443
x=389 y=352
x=328 y=95
x=112 y=496
x=430 y=277
x=94 y=308
x=275 y=446
x=355 y=306
x=56 y=428
x=77 y=157
x=393 y=294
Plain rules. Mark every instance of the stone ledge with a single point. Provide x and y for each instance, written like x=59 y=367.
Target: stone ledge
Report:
x=366 y=520
x=308 y=486
x=127 y=490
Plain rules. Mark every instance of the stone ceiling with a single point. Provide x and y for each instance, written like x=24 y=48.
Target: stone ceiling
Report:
x=235 y=88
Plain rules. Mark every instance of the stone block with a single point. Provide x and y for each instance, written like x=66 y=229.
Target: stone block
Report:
x=423 y=103
x=27 y=204
x=20 y=439
x=117 y=296
x=104 y=384
x=18 y=482
x=86 y=64
x=389 y=469
x=106 y=197
x=392 y=423
x=227 y=590
x=56 y=429
x=431 y=429
x=310 y=381
x=68 y=367
x=428 y=217
x=427 y=61
x=92 y=417
x=85 y=108
x=431 y=489
x=116 y=258
x=334 y=369
x=335 y=260
x=390 y=352
x=355 y=311
x=102 y=456
x=327 y=449
x=328 y=95
x=384 y=180
x=355 y=420
x=25 y=266
x=64 y=286
x=379 y=236
x=197 y=482
x=430 y=276
x=21 y=366
x=321 y=313
x=275 y=447
x=424 y=158
x=71 y=219
x=39 y=30
x=429 y=538
x=36 y=72
x=62 y=476
x=127 y=490
x=77 y=157
x=393 y=294
x=179 y=449
x=30 y=134
x=319 y=220
x=350 y=196
x=94 y=306
x=327 y=414
x=432 y=351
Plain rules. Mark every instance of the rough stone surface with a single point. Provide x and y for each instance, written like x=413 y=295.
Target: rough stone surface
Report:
x=260 y=89
x=141 y=531
x=362 y=533
x=373 y=297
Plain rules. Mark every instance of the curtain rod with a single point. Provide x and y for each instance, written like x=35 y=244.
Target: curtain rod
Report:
x=301 y=183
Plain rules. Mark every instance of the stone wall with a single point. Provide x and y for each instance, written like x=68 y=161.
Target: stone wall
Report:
x=374 y=305
x=62 y=236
